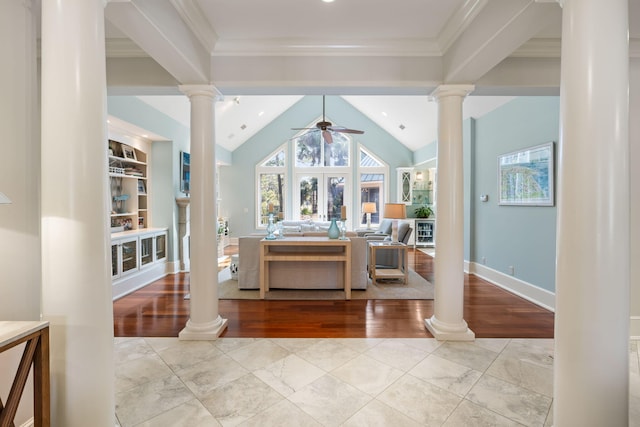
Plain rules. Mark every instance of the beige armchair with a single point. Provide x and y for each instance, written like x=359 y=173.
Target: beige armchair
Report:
x=383 y=230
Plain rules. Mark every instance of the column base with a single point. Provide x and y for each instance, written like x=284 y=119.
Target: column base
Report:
x=203 y=332
x=445 y=332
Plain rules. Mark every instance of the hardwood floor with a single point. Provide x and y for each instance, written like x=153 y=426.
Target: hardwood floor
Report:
x=160 y=310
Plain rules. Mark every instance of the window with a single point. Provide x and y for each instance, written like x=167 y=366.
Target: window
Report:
x=271 y=186
x=373 y=176
x=312 y=151
x=321 y=181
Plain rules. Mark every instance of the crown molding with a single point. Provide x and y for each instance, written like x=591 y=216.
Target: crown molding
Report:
x=305 y=47
x=458 y=22
x=192 y=15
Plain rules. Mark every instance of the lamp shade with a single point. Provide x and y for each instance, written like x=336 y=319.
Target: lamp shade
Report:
x=4 y=200
x=369 y=207
x=395 y=210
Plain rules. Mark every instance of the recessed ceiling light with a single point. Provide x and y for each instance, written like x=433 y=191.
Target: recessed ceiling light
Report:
x=260 y=113
x=328 y=1
x=384 y=113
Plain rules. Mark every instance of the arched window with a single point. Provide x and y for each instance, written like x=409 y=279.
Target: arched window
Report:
x=321 y=180
x=271 y=191
x=373 y=174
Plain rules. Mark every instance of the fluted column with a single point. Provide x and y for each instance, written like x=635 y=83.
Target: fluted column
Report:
x=447 y=322
x=76 y=276
x=204 y=323
x=591 y=371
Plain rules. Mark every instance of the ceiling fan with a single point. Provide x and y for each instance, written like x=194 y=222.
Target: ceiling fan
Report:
x=327 y=127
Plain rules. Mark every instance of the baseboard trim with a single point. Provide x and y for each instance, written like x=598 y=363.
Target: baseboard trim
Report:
x=172 y=267
x=534 y=294
x=29 y=423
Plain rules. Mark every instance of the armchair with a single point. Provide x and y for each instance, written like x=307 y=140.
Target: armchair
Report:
x=383 y=230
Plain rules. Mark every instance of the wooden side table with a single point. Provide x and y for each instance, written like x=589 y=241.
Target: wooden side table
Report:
x=399 y=271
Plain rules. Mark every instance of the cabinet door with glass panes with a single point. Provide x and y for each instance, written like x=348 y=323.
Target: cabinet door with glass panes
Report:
x=124 y=257
x=425 y=232
x=160 y=246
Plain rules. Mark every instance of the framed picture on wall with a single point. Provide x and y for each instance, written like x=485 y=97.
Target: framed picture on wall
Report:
x=185 y=171
x=128 y=152
x=526 y=177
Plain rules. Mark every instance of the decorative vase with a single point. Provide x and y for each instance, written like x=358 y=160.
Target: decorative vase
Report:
x=334 y=231
x=271 y=228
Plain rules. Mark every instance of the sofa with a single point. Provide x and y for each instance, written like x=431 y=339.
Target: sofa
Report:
x=301 y=274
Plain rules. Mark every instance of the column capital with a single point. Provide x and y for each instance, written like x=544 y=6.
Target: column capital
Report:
x=443 y=91
x=201 y=90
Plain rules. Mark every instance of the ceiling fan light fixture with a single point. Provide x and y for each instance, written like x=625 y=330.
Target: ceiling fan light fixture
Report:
x=326 y=128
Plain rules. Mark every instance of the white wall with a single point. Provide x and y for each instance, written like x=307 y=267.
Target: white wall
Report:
x=634 y=160
x=20 y=180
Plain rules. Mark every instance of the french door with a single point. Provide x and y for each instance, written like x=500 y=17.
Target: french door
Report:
x=320 y=196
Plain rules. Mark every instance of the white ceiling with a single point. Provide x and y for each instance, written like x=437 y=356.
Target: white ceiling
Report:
x=381 y=56
x=238 y=118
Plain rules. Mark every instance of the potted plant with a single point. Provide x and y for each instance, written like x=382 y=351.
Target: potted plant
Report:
x=423 y=212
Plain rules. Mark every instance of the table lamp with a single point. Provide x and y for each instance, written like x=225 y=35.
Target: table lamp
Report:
x=4 y=200
x=369 y=208
x=394 y=212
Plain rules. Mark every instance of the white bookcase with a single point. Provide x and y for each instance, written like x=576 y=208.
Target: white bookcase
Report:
x=138 y=250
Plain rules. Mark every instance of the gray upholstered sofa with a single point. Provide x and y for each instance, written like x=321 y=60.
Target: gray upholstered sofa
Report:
x=301 y=274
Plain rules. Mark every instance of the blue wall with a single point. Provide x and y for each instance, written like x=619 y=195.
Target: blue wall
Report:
x=518 y=236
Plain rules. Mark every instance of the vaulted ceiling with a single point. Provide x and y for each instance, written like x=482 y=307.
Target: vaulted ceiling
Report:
x=382 y=56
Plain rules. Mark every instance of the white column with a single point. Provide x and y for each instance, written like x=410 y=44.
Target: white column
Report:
x=204 y=323
x=76 y=276
x=591 y=372
x=447 y=322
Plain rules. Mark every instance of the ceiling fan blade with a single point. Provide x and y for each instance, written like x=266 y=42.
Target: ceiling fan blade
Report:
x=345 y=130
x=327 y=136
x=303 y=129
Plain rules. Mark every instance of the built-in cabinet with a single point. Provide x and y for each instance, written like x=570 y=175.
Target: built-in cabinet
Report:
x=425 y=232
x=128 y=187
x=137 y=258
x=138 y=251
x=416 y=186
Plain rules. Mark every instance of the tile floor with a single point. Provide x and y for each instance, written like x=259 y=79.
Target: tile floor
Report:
x=339 y=382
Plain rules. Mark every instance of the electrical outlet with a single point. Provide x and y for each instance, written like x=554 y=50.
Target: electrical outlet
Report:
x=511 y=270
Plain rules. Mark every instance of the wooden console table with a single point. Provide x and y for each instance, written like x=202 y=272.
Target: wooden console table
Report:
x=304 y=249
x=399 y=271
x=36 y=351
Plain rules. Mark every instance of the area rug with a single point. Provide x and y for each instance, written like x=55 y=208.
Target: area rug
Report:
x=417 y=288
